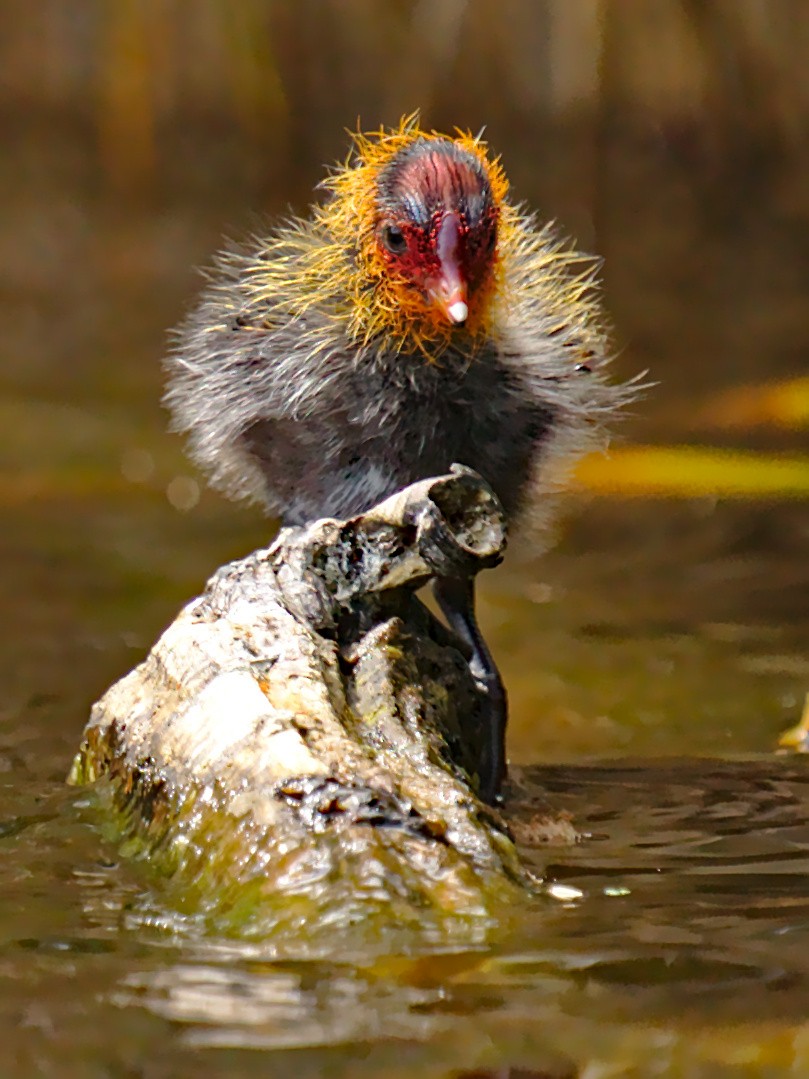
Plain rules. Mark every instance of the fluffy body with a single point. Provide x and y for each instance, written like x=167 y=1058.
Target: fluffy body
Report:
x=312 y=381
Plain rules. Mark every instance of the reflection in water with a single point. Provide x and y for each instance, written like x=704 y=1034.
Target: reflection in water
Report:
x=234 y=1005
x=685 y=907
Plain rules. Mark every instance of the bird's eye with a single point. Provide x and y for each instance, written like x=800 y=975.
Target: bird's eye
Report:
x=394 y=239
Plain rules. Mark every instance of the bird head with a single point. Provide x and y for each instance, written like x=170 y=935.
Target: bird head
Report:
x=436 y=228
x=418 y=248
x=420 y=216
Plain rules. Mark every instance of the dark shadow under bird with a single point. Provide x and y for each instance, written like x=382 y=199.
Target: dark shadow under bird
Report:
x=415 y=320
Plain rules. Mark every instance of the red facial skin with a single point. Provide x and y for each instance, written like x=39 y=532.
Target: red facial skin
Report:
x=438 y=231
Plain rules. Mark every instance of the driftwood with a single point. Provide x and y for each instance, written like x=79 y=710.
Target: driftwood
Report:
x=299 y=748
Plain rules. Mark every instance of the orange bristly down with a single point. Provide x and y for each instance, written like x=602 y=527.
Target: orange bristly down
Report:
x=332 y=261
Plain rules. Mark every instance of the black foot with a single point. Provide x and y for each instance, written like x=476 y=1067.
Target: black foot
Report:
x=456 y=598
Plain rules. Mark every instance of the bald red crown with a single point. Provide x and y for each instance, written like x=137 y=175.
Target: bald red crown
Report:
x=437 y=223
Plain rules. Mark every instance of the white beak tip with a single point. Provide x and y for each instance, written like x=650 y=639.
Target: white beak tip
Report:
x=458 y=312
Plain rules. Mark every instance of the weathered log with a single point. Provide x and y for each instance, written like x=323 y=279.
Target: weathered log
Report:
x=300 y=746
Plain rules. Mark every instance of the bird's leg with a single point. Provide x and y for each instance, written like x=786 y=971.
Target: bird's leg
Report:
x=456 y=598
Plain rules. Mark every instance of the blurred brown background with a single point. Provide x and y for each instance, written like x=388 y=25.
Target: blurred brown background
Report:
x=670 y=136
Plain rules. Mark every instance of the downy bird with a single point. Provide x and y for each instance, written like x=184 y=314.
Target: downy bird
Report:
x=416 y=318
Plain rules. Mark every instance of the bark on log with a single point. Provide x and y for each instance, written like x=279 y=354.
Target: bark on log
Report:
x=296 y=751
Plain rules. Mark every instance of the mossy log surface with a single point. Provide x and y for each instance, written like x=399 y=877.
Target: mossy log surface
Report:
x=298 y=750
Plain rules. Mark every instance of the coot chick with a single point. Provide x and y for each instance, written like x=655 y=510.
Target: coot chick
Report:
x=415 y=319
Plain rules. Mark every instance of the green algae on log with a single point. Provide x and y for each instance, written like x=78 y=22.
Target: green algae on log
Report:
x=298 y=745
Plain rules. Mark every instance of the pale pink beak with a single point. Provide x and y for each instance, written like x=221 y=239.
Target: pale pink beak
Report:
x=448 y=289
